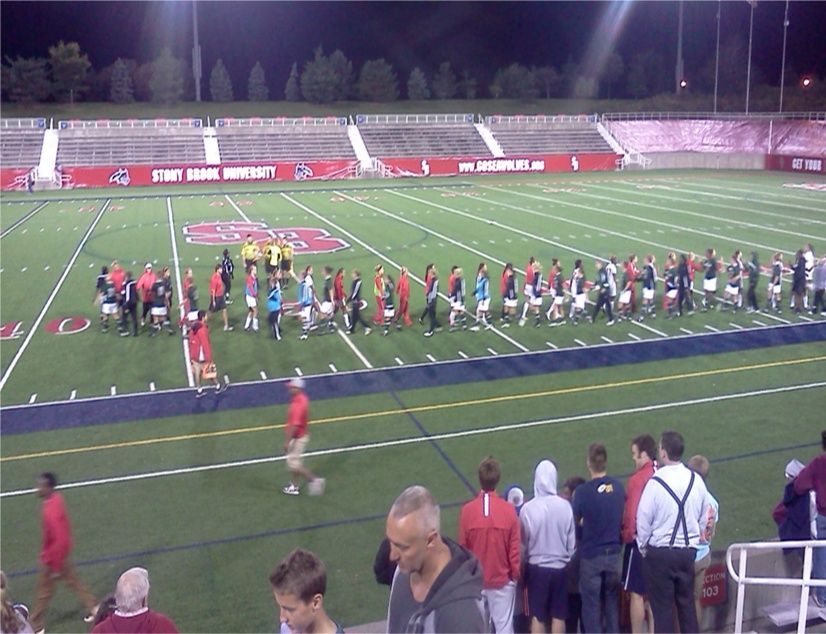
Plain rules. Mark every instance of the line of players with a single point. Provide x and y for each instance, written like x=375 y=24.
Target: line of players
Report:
x=317 y=310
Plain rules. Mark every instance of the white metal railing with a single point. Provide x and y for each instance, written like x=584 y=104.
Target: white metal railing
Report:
x=656 y=116
x=108 y=124
x=740 y=578
x=38 y=123
x=396 y=119
x=539 y=119
x=257 y=122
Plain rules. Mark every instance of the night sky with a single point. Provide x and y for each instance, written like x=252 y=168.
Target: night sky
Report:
x=477 y=36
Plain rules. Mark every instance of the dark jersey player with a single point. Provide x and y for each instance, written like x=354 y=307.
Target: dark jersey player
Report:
x=159 y=310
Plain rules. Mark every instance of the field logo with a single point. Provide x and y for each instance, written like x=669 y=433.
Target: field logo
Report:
x=303 y=239
x=11 y=330
x=302 y=172
x=425 y=168
x=67 y=325
x=120 y=177
x=574 y=163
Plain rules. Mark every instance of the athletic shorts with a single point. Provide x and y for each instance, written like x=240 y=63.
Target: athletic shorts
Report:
x=625 y=297
x=558 y=300
x=579 y=301
x=648 y=293
x=456 y=307
x=295 y=451
x=192 y=315
x=286 y=265
x=389 y=312
x=158 y=311
x=326 y=308
x=732 y=290
x=305 y=313
x=108 y=308
x=547 y=594
x=511 y=303
x=710 y=285
x=777 y=289
x=536 y=301
x=252 y=302
x=672 y=294
x=483 y=305
x=219 y=303
x=528 y=290
x=632 y=577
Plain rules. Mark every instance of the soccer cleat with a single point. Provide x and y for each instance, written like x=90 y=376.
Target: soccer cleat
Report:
x=290 y=489
x=521 y=323
x=228 y=328
x=367 y=331
x=452 y=329
x=303 y=337
x=124 y=333
x=316 y=487
x=474 y=328
x=428 y=333
x=199 y=393
x=610 y=323
x=221 y=387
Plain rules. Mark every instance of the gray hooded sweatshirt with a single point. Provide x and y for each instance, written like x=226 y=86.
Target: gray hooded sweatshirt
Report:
x=454 y=603
x=548 y=533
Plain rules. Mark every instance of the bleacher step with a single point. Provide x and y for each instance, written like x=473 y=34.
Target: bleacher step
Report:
x=786 y=613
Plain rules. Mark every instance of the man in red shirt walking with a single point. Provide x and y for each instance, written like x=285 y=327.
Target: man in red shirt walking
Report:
x=489 y=528
x=296 y=440
x=54 y=556
x=643 y=453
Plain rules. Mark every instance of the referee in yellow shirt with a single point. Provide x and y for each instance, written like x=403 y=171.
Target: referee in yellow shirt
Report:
x=249 y=252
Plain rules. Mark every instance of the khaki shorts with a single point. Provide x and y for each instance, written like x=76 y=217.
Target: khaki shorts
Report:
x=295 y=450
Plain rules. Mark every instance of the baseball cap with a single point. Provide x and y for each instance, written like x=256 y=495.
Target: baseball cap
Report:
x=793 y=468
x=296 y=382
x=515 y=495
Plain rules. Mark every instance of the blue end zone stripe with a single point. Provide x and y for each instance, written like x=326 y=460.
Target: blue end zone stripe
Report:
x=68 y=414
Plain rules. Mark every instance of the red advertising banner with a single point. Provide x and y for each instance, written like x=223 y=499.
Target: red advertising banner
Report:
x=13 y=177
x=804 y=164
x=537 y=164
x=142 y=175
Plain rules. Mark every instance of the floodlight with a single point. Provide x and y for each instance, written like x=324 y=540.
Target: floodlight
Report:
x=806 y=82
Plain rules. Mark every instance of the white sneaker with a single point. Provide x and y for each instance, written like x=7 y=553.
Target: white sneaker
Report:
x=290 y=489
x=316 y=487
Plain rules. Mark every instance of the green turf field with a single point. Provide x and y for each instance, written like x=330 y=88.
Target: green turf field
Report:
x=204 y=532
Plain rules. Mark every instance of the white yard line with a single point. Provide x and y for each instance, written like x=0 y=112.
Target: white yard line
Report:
x=776 y=318
x=606 y=415
x=24 y=219
x=759 y=323
x=580 y=343
x=649 y=328
x=299 y=372
x=737 y=326
x=462 y=354
x=238 y=209
x=399 y=361
x=686 y=331
x=332 y=367
x=16 y=358
x=634 y=337
x=711 y=328
x=607 y=340
x=753 y=192
x=431 y=358
x=355 y=350
x=178 y=279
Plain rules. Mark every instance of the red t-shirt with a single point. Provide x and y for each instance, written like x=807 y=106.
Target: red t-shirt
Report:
x=298 y=414
x=403 y=288
x=118 y=275
x=633 y=493
x=57 y=532
x=216 y=285
x=145 y=282
x=199 y=343
x=148 y=621
x=489 y=528
x=338 y=288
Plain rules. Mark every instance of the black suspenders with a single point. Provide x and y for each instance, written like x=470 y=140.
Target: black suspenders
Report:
x=681 y=508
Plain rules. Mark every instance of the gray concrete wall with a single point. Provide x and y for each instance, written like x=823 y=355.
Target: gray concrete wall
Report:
x=706 y=160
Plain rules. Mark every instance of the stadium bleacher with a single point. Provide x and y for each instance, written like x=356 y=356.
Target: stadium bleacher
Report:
x=421 y=135
x=21 y=141
x=131 y=142
x=547 y=134
x=283 y=139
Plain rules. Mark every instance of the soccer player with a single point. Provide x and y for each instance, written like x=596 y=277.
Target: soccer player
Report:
x=577 y=288
x=200 y=354
x=649 y=288
x=732 y=292
x=556 y=288
x=753 y=268
x=387 y=302
x=166 y=276
x=684 y=282
x=378 y=292
x=431 y=295
x=528 y=289
x=626 y=289
x=775 y=284
x=340 y=299
x=403 y=291
x=286 y=262
x=671 y=286
x=809 y=257
x=296 y=439
x=535 y=300
x=356 y=305
x=249 y=252
x=160 y=309
x=145 y=283
x=633 y=275
x=227 y=275
x=509 y=299
x=100 y=283
x=251 y=298
x=118 y=275
x=427 y=272
x=611 y=268
x=603 y=286
x=129 y=306
x=482 y=293
x=327 y=307
x=266 y=255
x=275 y=255
x=190 y=302
x=306 y=301
x=217 y=291
x=709 y=280
x=274 y=303
x=108 y=302
x=798 y=281
x=457 y=300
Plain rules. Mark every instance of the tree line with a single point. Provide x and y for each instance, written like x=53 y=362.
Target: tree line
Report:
x=66 y=75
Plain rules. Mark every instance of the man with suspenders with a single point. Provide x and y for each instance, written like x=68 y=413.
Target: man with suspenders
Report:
x=670 y=516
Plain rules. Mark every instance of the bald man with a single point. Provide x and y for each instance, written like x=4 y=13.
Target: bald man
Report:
x=438 y=584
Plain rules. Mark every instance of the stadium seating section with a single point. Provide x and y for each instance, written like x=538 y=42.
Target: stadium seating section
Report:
x=423 y=139
x=283 y=143
x=548 y=138
x=130 y=146
x=20 y=147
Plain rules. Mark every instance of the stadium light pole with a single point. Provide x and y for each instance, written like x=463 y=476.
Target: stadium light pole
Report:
x=783 y=61
x=678 y=70
x=717 y=58
x=196 y=52
x=752 y=4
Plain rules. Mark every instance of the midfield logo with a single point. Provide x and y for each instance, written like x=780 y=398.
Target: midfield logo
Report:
x=303 y=239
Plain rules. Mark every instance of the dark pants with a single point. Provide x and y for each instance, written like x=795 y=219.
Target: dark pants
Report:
x=604 y=300
x=684 y=297
x=819 y=304
x=599 y=582
x=147 y=306
x=129 y=311
x=431 y=312
x=751 y=296
x=355 y=316
x=669 y=579
x=227 y=280
x=274 y=319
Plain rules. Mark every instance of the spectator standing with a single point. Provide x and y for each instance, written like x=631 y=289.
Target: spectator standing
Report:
x=299 y=584
x=227 y=275
x=438 y=584
x=54 y=557
x=672 y=510
x=489 y=528
x=574 y=621
x=702 y=559
x=819 y=286
x=549 y=540
x=296 y=439
x=145 y=283
x=643 y=454
x=813 y=478
x=200 y=354
x=132 y=613
x=598 y=506
x=794 y=513
x=129 y=306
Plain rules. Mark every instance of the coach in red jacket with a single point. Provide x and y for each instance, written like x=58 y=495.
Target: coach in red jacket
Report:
x=489 y=528
x=54 y=557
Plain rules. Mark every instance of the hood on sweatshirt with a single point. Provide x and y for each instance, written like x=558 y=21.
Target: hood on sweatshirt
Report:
x=544 y=479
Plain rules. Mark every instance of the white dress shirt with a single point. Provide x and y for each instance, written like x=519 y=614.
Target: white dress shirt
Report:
x=658 y=512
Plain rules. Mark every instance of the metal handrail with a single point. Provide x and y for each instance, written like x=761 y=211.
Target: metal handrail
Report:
x=742 y=580
x=739 y=116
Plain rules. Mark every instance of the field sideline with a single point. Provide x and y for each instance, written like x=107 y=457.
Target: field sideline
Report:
x=190 y=488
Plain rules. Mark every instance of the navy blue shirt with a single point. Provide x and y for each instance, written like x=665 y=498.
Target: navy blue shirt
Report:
x=599 y=504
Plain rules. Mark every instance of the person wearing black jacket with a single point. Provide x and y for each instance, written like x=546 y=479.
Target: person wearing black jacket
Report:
x=798 y=281
x=432 y=294
x=603 y=285
x=684 y=286
x=227 y=274
x=129 y=306
x=355 y=305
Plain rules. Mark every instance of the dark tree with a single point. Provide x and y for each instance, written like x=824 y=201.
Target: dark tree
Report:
x=378 y=81
x=417 y=89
